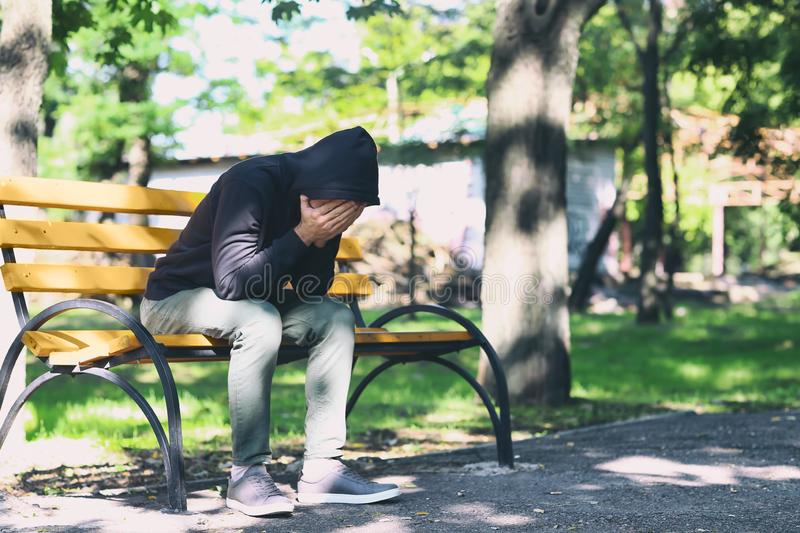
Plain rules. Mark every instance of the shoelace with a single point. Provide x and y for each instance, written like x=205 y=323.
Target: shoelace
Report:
x=355 y=476
x=266 y=484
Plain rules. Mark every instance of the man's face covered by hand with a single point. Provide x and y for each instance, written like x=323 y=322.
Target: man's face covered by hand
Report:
x=355 y=208
x=322 y=219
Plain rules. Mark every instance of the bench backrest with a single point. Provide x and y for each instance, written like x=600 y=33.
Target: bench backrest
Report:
x=90 y=279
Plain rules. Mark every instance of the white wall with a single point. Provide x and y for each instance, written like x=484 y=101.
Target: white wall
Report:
x=590 y=193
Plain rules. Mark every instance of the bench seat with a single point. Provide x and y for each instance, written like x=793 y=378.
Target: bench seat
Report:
x=73 y=347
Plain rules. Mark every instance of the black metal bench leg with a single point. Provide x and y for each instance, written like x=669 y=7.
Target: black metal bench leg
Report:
x=351 y=403
x=177 y=489
x=20 y=401
x=501 y=429
x=9 y=361
x=8 y=364
x=174 y=484
x=505 y=446
x=502 y=432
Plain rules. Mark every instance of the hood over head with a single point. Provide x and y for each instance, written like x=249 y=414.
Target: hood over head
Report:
x=342 y=165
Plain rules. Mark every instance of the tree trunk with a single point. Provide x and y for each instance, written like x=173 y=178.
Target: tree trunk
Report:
x=648 y=308
x=674 y=256
x=139 y=169
x=525 y=279
x=135 y=87
x=394 y=126
x=24 y=44
x=412 y=256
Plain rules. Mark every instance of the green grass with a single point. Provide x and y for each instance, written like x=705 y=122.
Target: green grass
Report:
x=742 y=357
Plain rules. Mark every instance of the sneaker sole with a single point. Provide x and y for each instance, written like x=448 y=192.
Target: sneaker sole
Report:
x=347 y=498
x=255 y=510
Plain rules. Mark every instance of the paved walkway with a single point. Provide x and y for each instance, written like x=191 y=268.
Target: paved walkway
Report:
x=678 y=473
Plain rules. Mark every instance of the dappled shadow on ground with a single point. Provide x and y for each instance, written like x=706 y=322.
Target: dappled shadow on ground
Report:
x=143 y=471
x=648 y=470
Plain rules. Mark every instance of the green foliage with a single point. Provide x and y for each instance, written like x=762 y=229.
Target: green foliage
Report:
x=71 y=16
x=370 y=9
x=754 y=42
x=438 y=56
x=450 y=55
x=791 y=212
x=607 y=99
x=287 y=10
x=99 y=101
x=718 y=57
x=755 y=238
x=284 y=9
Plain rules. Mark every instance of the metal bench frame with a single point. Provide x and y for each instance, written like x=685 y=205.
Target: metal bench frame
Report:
x=171 y=442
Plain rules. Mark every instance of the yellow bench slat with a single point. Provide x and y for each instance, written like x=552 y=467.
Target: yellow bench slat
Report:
x=107 y=197
x=348 y=284
x=85 y=346
x=85 y=236
x=349 y=250
x=83 y=356
x=85 y=279
x=43 y=342
x=90 y=279
x=88 y=236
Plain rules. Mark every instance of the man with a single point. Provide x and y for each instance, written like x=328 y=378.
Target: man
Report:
x=265 y=221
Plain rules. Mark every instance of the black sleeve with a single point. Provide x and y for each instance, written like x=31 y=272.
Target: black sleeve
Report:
x=242 y=270
x=312 y=276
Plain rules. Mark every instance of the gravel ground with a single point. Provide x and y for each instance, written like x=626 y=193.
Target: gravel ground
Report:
x=679 y=472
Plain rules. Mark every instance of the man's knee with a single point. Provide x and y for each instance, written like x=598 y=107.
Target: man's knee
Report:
x=338 y=314
x=331 y=315
x=335 y=326
x=261 y=320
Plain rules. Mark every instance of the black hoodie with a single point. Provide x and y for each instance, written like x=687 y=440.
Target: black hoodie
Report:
x=240 y=240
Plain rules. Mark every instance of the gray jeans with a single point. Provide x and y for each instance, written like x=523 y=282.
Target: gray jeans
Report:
x=255 y=330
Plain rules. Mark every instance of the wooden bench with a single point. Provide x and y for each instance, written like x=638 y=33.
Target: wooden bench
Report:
x=96 y=352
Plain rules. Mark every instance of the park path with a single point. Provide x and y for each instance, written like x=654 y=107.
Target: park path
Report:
x=680 y=472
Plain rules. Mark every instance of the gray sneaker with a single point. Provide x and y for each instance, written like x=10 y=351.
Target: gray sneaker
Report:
x=256 y=494
x=342 y=485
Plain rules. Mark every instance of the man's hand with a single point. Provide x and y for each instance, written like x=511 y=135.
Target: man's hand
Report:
x=328 y=219
x=317 y=204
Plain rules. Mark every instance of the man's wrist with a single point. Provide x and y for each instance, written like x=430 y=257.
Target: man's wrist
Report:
x=302 y=234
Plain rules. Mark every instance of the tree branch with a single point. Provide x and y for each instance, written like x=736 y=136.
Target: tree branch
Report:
x=680 y=34
x=628 y=25
x=590 y=8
